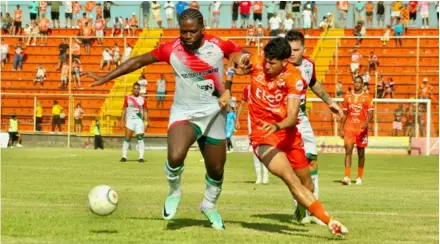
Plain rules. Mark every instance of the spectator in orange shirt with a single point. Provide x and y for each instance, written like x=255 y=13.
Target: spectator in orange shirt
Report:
x=425 y=90
x=44 y=29
x=133 y=25
x=90 y=5
x=76 y=9
x=369 y=7
x=18 y=15
x=258 y=12
x=87 y=32
x=99 y=27
x=404 y=15
x=194 y=4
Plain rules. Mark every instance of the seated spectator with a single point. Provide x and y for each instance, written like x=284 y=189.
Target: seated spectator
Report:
x=133 y=25
x=425 y=90
x=359 y=32
x=389 y=88
x=7 y=24
x=355 y=62
x=386 y=35
x=27 y=32
x=41 y=76
x=324 y=24
x=250 y=37
x=64 y=76
x=373 y=62
x=380 y=86
x=4 y=49
x=106 y=59
x=35 y=32
x=397 y=123
x=398 y=31
x=339 y=90
x=330 y=20
x=116 y=55
x=117 y=26
x=18 y=56
x=76 y=72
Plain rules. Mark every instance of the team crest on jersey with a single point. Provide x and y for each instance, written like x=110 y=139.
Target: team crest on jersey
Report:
x=260 y=77
x=209 y=55
x=299 y=85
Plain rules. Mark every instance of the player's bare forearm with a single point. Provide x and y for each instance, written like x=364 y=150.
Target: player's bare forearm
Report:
x=319 y=90
x=292 y=113
x=370 y=116
x=343 y=120
x=240 y=108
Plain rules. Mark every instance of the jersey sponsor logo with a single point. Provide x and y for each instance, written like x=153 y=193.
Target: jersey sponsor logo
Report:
x=260 y=77
x=299 y=85
x=274 y=100
x=200 y=73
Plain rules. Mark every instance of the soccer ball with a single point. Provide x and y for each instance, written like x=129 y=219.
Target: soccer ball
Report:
x=103 y=200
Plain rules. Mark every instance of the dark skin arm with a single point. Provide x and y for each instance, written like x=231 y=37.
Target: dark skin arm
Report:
x=129 y=66
x=343 y=120
x=369 y=118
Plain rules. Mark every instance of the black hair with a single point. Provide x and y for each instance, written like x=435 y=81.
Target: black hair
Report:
x=192 y=13
x=295 y=35
x=277 y=48
x=136 y=84
x=359 y=77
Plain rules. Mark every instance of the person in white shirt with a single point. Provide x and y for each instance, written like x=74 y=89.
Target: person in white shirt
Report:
x=355 y=62
x=68 y=13
x=170 y=10
x=4 y=53
x=106 y=59
x=307 y=17
x=324 y=24
x=27 y=31
x=118 y=24
x=143 y=83
x=155 y=6
x=127 y=53
x=288 y=23
x=160 y=91
x=35 y=32
x=274 y=24
x=41 y=76
x=215 y=13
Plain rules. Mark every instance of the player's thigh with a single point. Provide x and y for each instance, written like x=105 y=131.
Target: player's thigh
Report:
x=181 y=135
x=274 y=159
x=304 y=176
x=140 y=128
x=130 y=127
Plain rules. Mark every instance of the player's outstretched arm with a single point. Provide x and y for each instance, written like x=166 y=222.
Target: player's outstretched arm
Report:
x=319 y=90
x=293 y=105
x=127 y=67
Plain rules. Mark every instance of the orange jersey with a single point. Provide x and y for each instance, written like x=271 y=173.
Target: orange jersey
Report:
x=268 y=96
x=89 y=6
x=369 y=7
x=99 y=24
x=258 y=7
x=133 y=21
x=44 y=24
x=18 y=14
x=357 y=107
x=425 y=90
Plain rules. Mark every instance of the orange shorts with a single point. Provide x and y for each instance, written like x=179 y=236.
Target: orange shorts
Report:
x=289 y=142
x=360 y=138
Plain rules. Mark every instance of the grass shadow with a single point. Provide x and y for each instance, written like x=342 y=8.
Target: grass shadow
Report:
x=283 y=218
x=104 y=231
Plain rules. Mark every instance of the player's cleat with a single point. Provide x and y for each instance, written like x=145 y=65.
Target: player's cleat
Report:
x=258 y=181
x=213 y=217
x=170 y=208
x=141 y=160
x=265 y=181
x=337 y=229
x=346 y=181
x=358 y=181
x=300 y=213
x=19 y=145
x=123 y=160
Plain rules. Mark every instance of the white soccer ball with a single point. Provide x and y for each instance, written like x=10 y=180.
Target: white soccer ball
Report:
x=103 y=200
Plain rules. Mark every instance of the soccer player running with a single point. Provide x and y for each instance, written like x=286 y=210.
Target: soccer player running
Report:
x=257 y=164
x=358 y=112
x=307 y=68
x=275 y=137
x=196 y=114
x=135 y=118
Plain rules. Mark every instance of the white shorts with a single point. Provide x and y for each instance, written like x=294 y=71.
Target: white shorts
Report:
x=397 y=125
x=136 y=124
x=210 y=125
x=354 y=67
x=100 y=33
x=169 y=14
x=308 y=137
x=424 y=14
x=395 y=13
x=307 y=23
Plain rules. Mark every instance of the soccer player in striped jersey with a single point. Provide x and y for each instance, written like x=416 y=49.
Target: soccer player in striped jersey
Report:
x=197 y=112
x=307 y=67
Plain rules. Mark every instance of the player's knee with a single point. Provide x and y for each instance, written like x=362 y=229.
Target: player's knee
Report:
x=177 y=156
x=139 y=137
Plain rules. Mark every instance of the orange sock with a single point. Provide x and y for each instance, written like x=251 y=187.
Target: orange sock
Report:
x=360 y=172
x=347 y=172
x=317 y=210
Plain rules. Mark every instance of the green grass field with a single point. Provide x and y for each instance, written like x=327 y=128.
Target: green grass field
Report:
x=44 y=197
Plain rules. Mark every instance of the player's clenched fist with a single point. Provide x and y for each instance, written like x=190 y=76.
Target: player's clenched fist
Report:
x=223 y=100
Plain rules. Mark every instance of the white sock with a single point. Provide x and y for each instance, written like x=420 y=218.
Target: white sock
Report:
x=125 y=146
x=265 y=172
x=212 y=192
x=141 y=149
x=315 y=184
x=173 y=177
x=257 y=165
